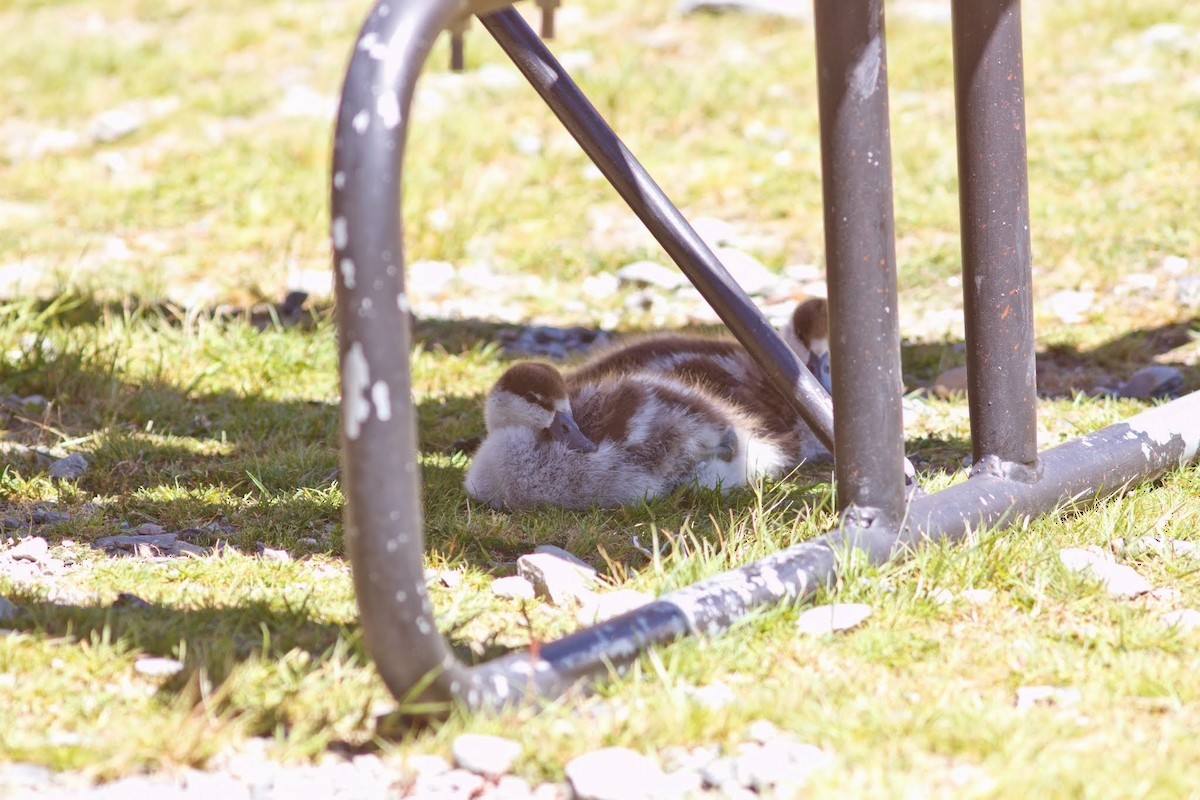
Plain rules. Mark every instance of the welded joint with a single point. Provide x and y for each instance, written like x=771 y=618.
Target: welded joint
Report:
x=996 y=467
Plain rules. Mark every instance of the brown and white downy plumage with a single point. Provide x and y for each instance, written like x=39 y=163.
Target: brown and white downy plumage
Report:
x=638 y=421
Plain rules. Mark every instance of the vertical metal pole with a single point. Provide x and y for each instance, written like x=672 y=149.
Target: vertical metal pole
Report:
x=989 y=91
x=860 y=253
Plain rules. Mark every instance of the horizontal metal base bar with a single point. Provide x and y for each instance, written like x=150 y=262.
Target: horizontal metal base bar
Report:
x=1090 y=467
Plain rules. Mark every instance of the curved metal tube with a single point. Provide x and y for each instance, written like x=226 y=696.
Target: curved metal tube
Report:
x=384 y=525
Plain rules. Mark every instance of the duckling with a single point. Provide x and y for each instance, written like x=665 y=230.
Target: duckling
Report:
x=807 y=333
x=643 y=418
x=722 y=367
x=609 y=441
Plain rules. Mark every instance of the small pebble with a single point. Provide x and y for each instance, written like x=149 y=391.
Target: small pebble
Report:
x=450 y=578
x=555 y=579
x=615 y=773
x=272 y=554
x=779 y=762
x=1119 y=580
x=514 y=587
x=1185 y=619
x=604 y=606
x=1153 y=382
x=651 y=273
x=485 y=755
x=32 y=548
x=977 y=596
x=747 y=271
x=157 y=667
x=1029 y=696
x=1070 y=306
x=832 y=618
x=950 y=383
x=70 y=468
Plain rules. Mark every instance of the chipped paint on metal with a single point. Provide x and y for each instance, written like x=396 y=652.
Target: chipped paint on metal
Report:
x=346 y=267
x=381 y=396
x=1178 y=420
x=388 y=109
x=361 y=120
x=356 y=379
x=340 y=233
x=865 y=78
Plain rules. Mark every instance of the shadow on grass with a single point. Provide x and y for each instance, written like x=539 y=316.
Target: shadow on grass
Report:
x=268 y=468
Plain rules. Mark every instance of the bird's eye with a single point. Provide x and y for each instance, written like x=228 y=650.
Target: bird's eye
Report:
x=532 y=397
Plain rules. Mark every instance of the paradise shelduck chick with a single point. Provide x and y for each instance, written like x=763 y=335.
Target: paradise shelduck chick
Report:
x=722 y=367
x=610 y=440
x=807 y=333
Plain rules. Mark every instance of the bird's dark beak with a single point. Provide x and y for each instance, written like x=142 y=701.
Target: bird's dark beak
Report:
x=563 y=429
x=818 y=365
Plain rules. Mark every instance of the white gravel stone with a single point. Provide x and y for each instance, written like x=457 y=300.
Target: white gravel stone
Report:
x=941 y=596
x=651 y=273
x=567 y=556
x=427 y=278
x=1070 y=305
x=780 y=762
x=116 y=123
x=157 y=667
x=1175 y=265
x=1029 y=696
x=450 y=578
x=1165 y=547
x=977 y=597
x=514 y=587
x=713 y=696
x=750 y=273
x=426 y=766
x=615 y=773
x=555 y=579
x=599 y=607
x=1185 y=619
x=484 y=754
x=600 y=287
x=762 y=731
x=832 y=618
x=31 y=548
x=715 y=232
x=1119 y=580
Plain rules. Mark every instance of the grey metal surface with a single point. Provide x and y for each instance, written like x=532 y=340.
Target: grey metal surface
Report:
x=383 y=524
x=994 y=209
x=856 y=176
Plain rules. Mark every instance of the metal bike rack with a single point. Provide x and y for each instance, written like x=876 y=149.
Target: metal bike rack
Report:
x=1010 y=481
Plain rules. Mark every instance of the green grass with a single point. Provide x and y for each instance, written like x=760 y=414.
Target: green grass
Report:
x=201 y=422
